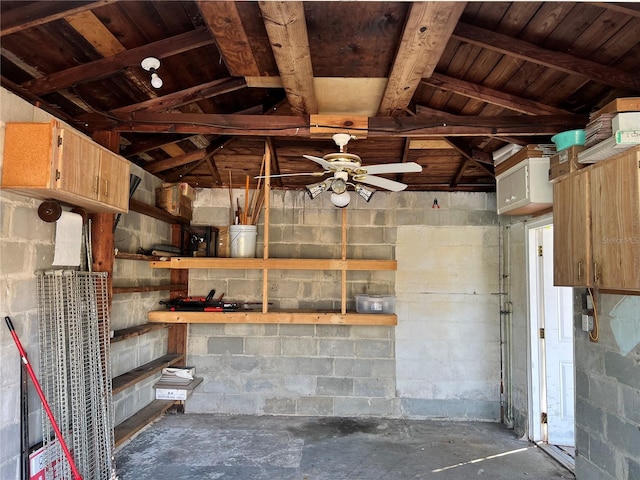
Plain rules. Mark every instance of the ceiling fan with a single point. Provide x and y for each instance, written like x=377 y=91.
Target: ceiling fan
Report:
x=347 y=170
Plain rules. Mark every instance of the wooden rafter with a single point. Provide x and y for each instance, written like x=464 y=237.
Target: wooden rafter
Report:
x=281 y=125
x=287 y=30
x=223 y=21
x=532 y=53
x=489 y=95
x=107 y=66
x=425 y=37
x=34 y=14
x=467 y=153
x=184 y=97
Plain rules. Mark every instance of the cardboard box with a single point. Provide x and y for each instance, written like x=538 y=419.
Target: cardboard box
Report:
x=530 y=151
x=166 y=391
x=171 y=200
x=183 y=189
x=565 y=162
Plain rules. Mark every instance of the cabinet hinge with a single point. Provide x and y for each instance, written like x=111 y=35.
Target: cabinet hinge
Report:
x=59 y=140
x=543 y=417
x=57 y=174
x=541 y=333
x=539 y=250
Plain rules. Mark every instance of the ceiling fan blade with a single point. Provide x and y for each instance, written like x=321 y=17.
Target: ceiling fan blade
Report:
x=311 y=174
x=321 y=161
x=408 y=167
x=380 y=182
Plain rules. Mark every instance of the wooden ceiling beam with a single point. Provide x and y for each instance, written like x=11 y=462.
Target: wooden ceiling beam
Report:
x=285 y=126
x=287 y=29
x=467 y=153
x=630 y=8
x=426 y=34
x=35 y=14
x=107 y=66
x=529 y=52
x=224 y=23
x=184 y=97
x=489 y=95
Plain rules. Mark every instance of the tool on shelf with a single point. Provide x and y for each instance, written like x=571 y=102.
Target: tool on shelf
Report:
x=201 y=304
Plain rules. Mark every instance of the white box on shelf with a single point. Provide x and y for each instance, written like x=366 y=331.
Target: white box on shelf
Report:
x=375 y=303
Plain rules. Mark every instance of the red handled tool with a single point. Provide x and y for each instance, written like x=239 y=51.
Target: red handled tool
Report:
x=45 y=405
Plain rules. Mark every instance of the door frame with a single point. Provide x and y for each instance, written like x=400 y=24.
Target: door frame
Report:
x=535 y=359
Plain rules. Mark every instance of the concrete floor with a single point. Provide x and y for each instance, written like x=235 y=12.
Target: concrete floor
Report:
x=311 y=448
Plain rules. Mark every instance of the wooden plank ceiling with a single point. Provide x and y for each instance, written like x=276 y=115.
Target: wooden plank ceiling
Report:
x=443 y=84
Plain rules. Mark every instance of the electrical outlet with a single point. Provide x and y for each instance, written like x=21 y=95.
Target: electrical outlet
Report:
x=587 y=323
x=589 y=302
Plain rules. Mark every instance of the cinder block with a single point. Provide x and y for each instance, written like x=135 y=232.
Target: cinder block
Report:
x=299 y=346
x=15 y=262
x=314 y=406
x=334 y=386
x=262 y=346
x=374 y=349
x=300 y=384
x=242 y=404
x=624 y=369
x=297 y=330
x=372 y=331
x=336 y=347
x=379 y=407
x=601 y=454
x=218 y=345
x=313 y=366
x=280 y=406
x=333 y=331
x=631 y=402
x=374 y=387
x=243 y=363
x=625 y=436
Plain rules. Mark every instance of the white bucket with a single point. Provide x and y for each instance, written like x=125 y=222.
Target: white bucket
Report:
x=242 y=239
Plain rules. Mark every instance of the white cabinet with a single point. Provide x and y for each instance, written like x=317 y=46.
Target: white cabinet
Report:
x=524 y=188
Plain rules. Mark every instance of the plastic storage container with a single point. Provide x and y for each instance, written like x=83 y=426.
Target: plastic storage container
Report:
x=568 y=139
x=375 y=303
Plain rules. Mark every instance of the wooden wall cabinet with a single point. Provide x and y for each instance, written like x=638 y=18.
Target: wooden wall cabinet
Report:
x=615 y=221
x=524 y=188
x=50 y=161
x=597 y=225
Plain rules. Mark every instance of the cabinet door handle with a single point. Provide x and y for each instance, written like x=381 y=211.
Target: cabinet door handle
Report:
x=580 y=270
x=106 y=187
x=96 y=184
x=596 y=273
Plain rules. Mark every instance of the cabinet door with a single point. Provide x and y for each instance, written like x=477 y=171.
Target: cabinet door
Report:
x=615 y=210
x=503 y=194
x=114 y=180
x=571 y=231
x=519 y=187
x=77 y=162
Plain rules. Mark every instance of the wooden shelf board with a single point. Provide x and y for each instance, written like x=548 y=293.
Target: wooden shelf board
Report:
x=124 y=381
x=276 y=263
x=136 y=256
x=141 y=419
x=155 y=212
x=125 y=333
x=148 y=288
x=290 y=317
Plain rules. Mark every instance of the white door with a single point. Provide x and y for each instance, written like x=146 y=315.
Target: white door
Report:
x=551 y=322
x=558 y=349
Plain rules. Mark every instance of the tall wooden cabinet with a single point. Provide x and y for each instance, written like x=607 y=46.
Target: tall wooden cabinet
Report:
x=597 y=225
x=51 y=161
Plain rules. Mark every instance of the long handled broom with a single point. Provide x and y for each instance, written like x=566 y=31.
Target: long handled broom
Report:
x=45 y=404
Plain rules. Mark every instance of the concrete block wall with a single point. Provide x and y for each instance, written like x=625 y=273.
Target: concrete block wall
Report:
x=136 y=231
x=26 y=246
x=447 y=283
x=293 y=366
x=516 y=323
x=607 y=386
x=325 y=370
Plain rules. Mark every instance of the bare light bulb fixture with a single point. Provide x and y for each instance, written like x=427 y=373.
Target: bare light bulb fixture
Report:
x=364 y=192
x=151 y=64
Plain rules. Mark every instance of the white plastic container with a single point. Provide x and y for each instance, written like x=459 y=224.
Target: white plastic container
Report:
x=242 y=240
x=375 y=303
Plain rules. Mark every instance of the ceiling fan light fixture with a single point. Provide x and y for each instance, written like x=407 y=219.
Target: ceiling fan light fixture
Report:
x=341 y=200
x=316 y=189
x=339 y=186
x=364 y=192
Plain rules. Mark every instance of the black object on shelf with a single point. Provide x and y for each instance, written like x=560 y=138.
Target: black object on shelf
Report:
x=199 y=241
